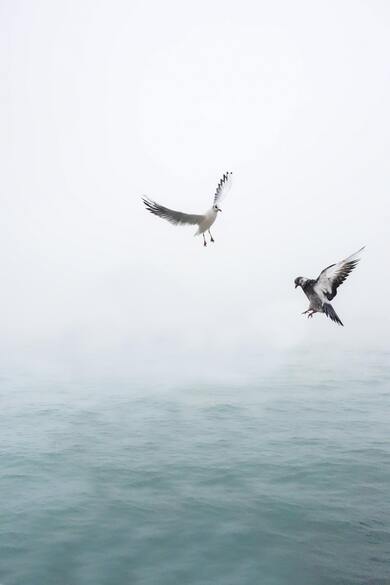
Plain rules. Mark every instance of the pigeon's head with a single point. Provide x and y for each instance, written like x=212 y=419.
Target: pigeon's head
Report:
x=298 y=281
x=216 y=208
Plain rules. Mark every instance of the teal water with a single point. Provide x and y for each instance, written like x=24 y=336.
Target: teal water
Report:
x=281 y=480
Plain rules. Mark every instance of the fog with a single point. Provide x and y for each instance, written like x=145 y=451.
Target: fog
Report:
x=103 y=102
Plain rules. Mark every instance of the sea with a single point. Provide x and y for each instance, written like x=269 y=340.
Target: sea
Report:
x=281 y=477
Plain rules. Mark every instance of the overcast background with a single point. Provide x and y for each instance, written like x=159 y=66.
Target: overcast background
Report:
x=104 y=101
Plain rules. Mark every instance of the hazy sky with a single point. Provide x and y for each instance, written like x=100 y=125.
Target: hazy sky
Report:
x=104 y=101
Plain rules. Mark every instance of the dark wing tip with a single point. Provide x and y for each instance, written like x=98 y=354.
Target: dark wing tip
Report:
x=151 y=205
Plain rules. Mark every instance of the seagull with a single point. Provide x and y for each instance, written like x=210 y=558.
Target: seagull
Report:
x=324 y=289
x=205 y=221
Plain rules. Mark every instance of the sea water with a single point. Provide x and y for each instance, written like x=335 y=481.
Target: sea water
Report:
x=283 y=479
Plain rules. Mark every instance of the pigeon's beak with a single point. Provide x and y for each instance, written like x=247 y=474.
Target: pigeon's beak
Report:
x=296 y=286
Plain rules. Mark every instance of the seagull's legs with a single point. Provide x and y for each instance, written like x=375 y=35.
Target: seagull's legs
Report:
x=211 y=237
x=204 y=240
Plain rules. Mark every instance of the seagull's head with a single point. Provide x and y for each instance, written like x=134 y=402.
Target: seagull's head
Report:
x=298 y=281
x=216 y=208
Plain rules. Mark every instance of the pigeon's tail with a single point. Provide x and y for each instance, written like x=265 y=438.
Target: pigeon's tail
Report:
x=331 y=313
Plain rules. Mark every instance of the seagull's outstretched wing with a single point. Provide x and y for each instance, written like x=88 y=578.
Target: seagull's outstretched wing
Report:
x=223 y=187
x=175 y=217
x=331 y=277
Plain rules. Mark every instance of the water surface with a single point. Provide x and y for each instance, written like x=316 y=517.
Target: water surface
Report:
x=281 y=480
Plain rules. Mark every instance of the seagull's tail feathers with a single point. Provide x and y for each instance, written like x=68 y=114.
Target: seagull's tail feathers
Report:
x=331 y=313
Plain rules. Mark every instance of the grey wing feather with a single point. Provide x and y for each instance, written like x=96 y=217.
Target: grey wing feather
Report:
x=175 y=217
x=331 y=277
x=223 y=186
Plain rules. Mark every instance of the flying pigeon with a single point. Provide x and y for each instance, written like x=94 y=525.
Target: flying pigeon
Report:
x=324 y=289
x=205 y=221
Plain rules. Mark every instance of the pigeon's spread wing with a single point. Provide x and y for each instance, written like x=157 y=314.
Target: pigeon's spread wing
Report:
x=223 y=187
x=331 y=277
x=175 y=217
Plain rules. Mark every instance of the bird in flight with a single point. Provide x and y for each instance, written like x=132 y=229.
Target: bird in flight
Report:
x=204 y=221
x=324 y=288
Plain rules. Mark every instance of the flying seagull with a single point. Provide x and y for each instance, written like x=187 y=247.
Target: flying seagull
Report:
x=205 y=221
x=324 y=289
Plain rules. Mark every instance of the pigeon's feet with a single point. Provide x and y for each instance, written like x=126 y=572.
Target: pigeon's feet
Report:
x=304 y=312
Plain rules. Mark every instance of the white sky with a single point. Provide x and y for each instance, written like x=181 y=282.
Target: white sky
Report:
x=104 y=101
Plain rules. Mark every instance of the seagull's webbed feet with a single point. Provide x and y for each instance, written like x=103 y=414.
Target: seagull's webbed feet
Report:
x=204 y=240
x=211 y=237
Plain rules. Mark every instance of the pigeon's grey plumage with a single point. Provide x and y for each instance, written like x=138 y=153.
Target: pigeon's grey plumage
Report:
x=204 y=221
x=323 y=289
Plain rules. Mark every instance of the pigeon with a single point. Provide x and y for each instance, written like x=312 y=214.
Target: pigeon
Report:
x=205 y=221
x=324 y=289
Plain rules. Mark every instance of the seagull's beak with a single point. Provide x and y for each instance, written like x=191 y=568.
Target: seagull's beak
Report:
x=218 y=209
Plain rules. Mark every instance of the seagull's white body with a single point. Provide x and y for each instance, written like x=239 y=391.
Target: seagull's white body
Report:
x=208 y=219
x=204 y=221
